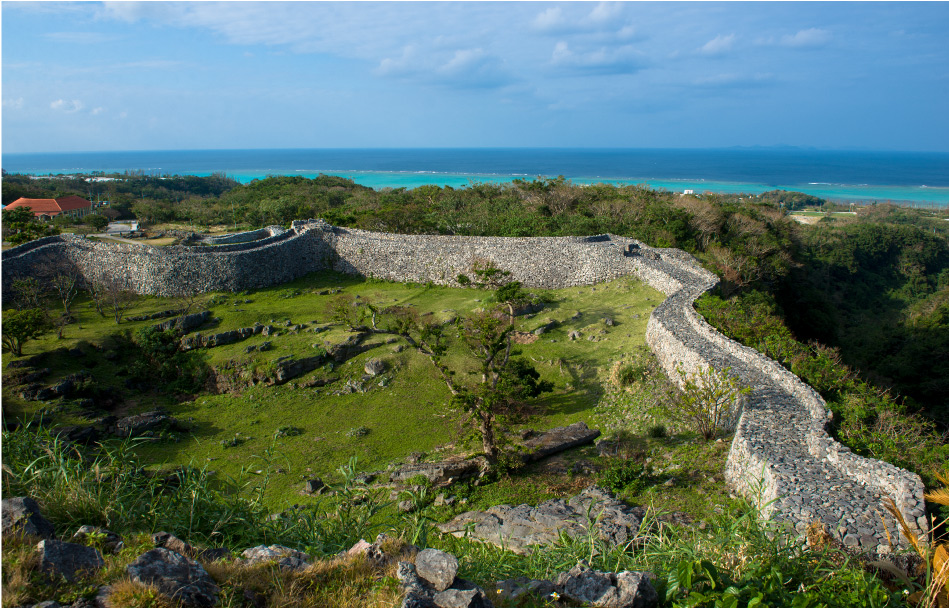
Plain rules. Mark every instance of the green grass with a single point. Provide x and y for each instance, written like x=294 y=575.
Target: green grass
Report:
x=732 y=557
x=411 y=413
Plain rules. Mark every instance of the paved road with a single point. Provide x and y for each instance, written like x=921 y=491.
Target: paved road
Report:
x=120 y=239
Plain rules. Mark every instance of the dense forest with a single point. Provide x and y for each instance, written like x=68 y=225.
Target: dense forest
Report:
x=856 y=304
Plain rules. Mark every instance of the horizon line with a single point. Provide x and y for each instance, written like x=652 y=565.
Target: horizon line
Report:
x=776 y=147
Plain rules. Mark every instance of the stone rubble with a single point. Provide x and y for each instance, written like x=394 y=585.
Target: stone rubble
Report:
x=519 y=528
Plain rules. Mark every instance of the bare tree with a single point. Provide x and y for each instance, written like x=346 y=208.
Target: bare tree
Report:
x=189 y=299
x=111 y=294
x=65 y=279
x=28 y=293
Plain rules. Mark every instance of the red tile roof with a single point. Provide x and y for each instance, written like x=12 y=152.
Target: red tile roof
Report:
x=51 y=206
x=71 y=202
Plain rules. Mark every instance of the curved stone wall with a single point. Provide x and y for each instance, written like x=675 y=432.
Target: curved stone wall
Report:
x=781 y=457
x=243 y=237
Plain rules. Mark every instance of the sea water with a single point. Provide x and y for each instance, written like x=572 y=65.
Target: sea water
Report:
x=913 y=178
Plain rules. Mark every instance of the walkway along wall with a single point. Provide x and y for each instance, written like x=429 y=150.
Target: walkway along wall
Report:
x=781 y=457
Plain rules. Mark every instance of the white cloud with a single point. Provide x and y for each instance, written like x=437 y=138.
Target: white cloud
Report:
x=13 y=104
x=605 y=19
x=97 y=111
x=408 y=63
x=811 y=37
x=718 y=45
x=733 y=80
x=80 y=37
x=549 y=20
x=69 y=107
x=617 y=60
x=463 y=60
x=604 y=12
x=463 y=68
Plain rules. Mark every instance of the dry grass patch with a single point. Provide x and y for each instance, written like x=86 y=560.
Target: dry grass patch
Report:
x=128 y=594
x=344 y=582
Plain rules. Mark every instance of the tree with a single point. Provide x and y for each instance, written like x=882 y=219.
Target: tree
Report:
x=20 y=226
x=65 y=278
x=97 y=221
x=21 y=326
x=510 y=295
x=28 y=293
x=107 y=292
x=506 y=382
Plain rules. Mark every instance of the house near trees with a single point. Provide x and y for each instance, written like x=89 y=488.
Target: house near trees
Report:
x=48 y=208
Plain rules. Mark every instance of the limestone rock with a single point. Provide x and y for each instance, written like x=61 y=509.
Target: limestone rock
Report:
x=286 y=558
x=139 y=424
x=440 y=473
x=67 y=560
x=185 y=323
x=607 y=589
x=421 y=593
x=21 y=516
x=513 y=590
x=374 y=367
x=173 y=543
x=177 y=577
x=437 y=568
x=458 y=598
x=313 y=486
x=559 y=439
x=521 y=527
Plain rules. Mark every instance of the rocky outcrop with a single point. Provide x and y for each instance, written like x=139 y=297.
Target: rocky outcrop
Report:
x=431 y=582
x=176 y=577
x=145 y=423
x=558 y=439
x=21 y=517
x=285 y=557
x=442 y=473
x=518 y=528
x=608 y=589
x=67 y=560
x=225 y=337
x=185 y=323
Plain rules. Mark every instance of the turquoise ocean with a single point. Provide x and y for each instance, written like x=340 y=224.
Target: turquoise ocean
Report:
x=909 y=178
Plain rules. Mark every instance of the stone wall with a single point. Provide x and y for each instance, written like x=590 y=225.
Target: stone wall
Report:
x=781 y=457
x=243 y=237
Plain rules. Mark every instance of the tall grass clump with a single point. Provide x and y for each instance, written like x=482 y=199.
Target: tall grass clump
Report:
x=736 y=559
x=107 y=485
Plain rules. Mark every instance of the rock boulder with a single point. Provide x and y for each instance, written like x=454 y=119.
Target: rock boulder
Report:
x=67 y=560
x=177 y=577
x=21 y=516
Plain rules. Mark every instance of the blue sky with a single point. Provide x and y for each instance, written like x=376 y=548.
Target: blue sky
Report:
x=207 y=75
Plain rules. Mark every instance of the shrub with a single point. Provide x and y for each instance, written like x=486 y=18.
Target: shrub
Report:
x=641 y=366
x=657 y=431
x=621 y=476
x=709 y=400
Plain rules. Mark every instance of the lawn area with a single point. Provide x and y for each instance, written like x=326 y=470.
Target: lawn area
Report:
x=404 y=410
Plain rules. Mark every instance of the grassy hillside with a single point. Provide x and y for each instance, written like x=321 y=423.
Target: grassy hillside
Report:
x=404 y=410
